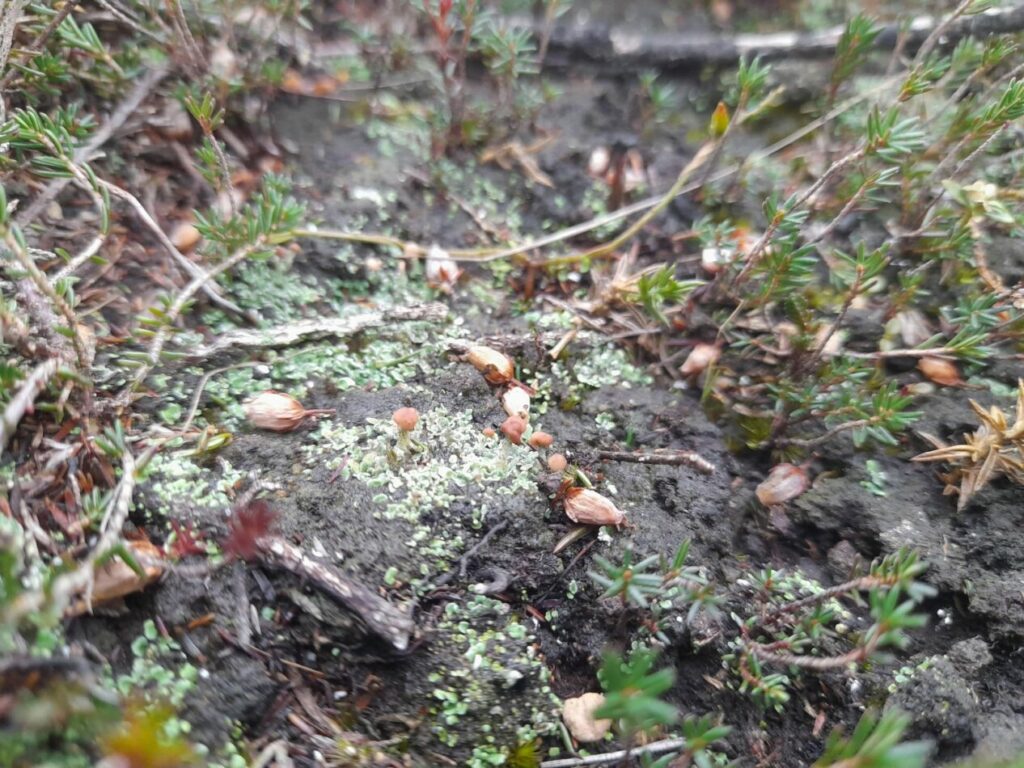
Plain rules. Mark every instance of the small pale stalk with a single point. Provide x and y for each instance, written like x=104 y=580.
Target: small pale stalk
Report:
x=516 y=402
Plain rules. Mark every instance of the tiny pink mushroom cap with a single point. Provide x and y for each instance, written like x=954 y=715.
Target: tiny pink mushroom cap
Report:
x=513 y=428
x=406 y=419
x=541 y=440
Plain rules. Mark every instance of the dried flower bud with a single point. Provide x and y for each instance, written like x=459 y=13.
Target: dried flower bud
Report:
x=278 y=412
x=541 y=440
x=700 y=357
x=489 y=432
x=784 y=482
x=247 y=526
x=496 y=366
x=557 y=462
x=599 y=161
x=516 y=402
x=719 y=120
x=715 y=259
x=441 y=271
x=406 y=419
x=940 y=370
x=513 y=428
x=583 y=505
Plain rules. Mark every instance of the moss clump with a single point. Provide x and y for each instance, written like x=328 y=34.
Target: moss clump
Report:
x=177 y=485
x=498 y=688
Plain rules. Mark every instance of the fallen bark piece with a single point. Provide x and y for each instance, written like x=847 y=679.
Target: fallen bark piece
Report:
x=315 y=330
x=578 y=715
x=380 y=616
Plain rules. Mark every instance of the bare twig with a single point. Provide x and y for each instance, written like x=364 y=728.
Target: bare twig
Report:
x=666 y=458
x=25 y=396
x=190 y=268
x=836 y=430
x=482 y=255
x=380 y=616
x=654 y=748
x=628 y=50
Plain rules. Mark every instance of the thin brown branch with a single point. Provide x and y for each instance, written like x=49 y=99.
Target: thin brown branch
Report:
x=836 y=430
x=162 y=334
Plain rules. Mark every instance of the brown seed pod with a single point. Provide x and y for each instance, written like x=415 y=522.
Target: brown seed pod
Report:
x=557 y=462
x=496 y=366
x=583 y=505
x=940 y=370
x=784 y=482
x=278 y=411
x=700 y=357
x=185 y=236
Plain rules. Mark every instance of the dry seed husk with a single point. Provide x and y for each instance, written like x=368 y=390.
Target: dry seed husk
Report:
x=583 y=505
x=277 y=411
x=496 y=366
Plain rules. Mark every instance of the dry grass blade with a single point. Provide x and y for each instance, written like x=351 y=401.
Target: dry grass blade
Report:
x=994 y=450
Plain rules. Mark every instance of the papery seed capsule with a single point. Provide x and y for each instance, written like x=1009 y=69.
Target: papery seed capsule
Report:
x=583 y=505
x=784 y=482
x=277 y=411
x=516 y=402
x=441 y=271
x=496 y=366
x=557 y=462
x=940 y=370
x=185 y=236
